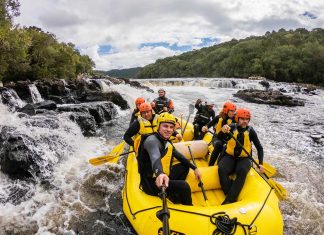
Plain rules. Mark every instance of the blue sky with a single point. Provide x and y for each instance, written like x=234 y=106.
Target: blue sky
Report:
x=124 y=34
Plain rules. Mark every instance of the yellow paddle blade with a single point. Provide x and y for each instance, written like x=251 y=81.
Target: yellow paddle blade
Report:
x=112 y=157
x=279 y=189
x=118 y=149
x=104 y=159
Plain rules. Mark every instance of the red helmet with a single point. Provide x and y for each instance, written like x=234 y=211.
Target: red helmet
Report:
x=242 y=113
x=145 y=107
x=228 y=106
x=139 y=101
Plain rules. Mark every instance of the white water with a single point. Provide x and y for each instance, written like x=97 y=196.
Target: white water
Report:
x=36 y=96
x=81 y=193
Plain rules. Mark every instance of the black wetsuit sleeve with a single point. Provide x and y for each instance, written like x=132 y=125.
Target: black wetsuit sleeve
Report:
x=254 y=138
x=183 y=159
x=152 y=146
x=213 y=122
x=213 y=114
x=133 y=117
x=131 y=131
x=175 y=133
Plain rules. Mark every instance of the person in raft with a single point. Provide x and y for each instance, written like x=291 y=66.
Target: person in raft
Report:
x=145 y=124
x=156 y=166
x=136 y=112
x=235 y=159
x=162 y=103
x=226 y=116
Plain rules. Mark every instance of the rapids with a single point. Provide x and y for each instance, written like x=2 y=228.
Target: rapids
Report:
x=82 y=199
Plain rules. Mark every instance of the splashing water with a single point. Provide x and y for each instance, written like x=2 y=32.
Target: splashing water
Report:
x=87 y=200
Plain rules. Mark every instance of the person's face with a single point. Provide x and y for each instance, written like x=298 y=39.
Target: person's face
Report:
x=210 y=107
x=243 y=122
x=147 y=115
x=161 y=93
x=166 y=130
x=231 y=113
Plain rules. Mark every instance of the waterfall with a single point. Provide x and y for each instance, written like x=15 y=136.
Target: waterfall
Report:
x=36 y=96
x=11 y=99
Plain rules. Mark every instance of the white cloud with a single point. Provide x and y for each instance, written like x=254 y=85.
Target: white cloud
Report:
x=126 y=24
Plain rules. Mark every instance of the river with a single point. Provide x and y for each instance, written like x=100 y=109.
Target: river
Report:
x=83 y=199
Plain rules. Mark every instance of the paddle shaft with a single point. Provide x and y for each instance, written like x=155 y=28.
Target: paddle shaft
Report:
x=191 y=110
x=200 y=184
x=164 y=212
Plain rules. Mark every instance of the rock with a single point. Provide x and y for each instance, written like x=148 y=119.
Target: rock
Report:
x=316 y=137
x=113 y=96
x=86 y=122
x=48 y=104
x=265 y=84
x=28 y=109
x=16 y=158
x=137 y=85
x=268 y=97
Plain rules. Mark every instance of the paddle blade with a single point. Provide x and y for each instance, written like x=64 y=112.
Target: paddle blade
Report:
x=118 y=149
x=104 y=159
x=279 y=189
x=191 y=108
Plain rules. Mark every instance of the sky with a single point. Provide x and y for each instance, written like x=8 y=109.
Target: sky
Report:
x=119 y=34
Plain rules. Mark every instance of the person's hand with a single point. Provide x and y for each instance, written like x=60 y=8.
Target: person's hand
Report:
x=162 y=179
x=153 y=104
x=226 y=128
x=261 y=168
x=198 y=174
x=165 y=109
x=204 y=129
x=179 y=137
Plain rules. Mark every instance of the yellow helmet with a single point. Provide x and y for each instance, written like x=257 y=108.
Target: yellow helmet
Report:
x=166 y=117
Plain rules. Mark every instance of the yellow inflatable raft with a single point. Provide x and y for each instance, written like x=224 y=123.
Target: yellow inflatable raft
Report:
x=255 y=212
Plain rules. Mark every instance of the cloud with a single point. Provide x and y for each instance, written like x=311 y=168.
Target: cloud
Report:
x=121 y=34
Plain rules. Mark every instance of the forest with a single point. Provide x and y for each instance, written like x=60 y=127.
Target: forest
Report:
x=286 y=55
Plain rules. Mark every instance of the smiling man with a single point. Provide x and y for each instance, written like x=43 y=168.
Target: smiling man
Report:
x=156 y=167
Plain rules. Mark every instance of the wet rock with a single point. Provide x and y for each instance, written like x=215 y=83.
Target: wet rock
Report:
x=85 y=121
x=16 y=158
x=268 y=97
x=137 y=85
x=265 y=84
x=48 y=104
x=113 y=96
x=22 y=89
x=28 y=109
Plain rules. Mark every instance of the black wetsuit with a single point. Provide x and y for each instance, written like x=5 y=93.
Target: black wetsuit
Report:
x=150 y=166
x=133 y=117
x=235 y=164
x=203 y=116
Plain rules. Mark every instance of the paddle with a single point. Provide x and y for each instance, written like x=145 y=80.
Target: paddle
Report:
x=109 y=158
x=191 y=110
x=112 y=157
x=200 y=184
x=279 y=189
x=164 y=213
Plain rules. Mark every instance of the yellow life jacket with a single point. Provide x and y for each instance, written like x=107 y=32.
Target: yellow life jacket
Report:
x=166 y=160
x=232 y=143
x=219 y=124
x=146 y=127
